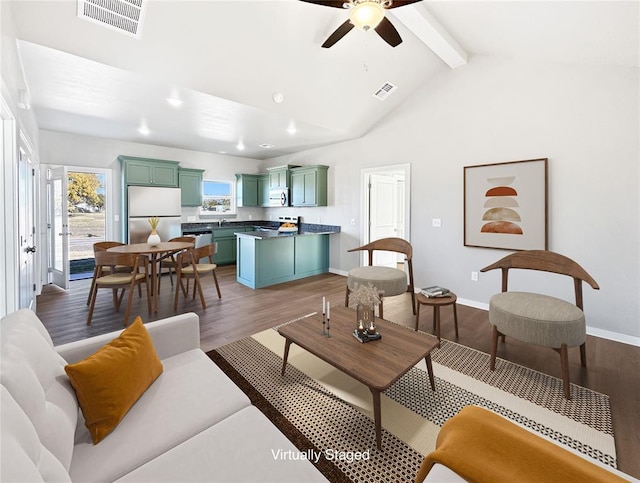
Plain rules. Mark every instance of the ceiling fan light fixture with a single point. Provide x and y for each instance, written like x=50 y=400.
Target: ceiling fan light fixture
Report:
x=366 y=15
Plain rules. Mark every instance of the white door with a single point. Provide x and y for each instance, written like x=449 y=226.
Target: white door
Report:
x=383 y=215
x=59 y=227
x=26 y=231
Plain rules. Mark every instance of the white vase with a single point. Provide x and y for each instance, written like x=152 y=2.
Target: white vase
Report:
x=154 y=238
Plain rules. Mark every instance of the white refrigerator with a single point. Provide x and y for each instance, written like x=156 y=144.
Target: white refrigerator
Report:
x=144 y=202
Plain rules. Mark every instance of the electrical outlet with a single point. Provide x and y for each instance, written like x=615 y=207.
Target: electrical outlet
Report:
x=319 y=220
x=353 y=222
x=251 y=217
x=116 y=217
x=474 y=276
x=436 y=222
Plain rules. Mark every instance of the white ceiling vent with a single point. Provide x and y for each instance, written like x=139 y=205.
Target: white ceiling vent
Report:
x=384 y=91
x=122 y=15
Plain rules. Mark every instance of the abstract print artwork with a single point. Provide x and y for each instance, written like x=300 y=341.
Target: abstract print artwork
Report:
x=505 y=205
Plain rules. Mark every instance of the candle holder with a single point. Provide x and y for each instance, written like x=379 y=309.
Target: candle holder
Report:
x=324 y=321
x=328 y=328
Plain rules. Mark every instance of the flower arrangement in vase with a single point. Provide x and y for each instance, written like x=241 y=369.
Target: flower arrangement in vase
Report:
x=154 y=238
x=365 y=299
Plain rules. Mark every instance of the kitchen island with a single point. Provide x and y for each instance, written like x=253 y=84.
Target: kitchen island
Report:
x=269 y=257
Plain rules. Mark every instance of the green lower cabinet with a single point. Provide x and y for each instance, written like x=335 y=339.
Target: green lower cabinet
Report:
x=269 y=261
x=226 y=250
x=311 y=255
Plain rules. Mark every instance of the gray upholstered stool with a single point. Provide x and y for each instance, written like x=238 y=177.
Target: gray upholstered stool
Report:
x=388 y=280
x=537 y=319
x=540 y=319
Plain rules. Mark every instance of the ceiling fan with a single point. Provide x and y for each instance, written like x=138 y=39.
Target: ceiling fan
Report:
x=365 y=15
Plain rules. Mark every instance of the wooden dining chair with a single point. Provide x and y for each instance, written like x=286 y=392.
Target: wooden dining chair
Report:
x=108 y=277
x=101 y=247
x=170 y=260
x=188 y=267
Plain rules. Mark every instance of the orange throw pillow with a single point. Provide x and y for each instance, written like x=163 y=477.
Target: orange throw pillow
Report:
x=109 y=382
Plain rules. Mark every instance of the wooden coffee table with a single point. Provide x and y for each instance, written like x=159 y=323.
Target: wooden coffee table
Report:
x=377 y=364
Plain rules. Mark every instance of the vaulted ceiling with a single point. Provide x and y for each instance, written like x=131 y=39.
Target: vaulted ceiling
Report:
x=225 y=60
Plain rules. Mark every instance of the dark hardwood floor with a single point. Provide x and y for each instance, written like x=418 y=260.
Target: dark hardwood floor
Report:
x=612 y=368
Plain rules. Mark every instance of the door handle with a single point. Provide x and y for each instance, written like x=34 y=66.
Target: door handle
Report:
x=31 y=249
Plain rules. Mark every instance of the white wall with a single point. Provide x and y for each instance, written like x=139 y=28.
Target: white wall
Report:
x=583 y=118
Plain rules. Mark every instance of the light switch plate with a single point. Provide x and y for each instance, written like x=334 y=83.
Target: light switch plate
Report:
x=436 y=222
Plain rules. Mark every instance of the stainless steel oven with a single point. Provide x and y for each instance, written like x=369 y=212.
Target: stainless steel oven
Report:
x=279 y=197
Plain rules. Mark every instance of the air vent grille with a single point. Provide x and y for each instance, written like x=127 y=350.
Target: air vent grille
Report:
x=122 y=15
x=385 y=91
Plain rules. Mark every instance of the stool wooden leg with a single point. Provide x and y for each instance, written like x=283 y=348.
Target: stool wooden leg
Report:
x=583 y=354
x=455 y=319
x=417 y=317
x=346 y=297
x=494 y=348
x=380 y=309
x=564 y=363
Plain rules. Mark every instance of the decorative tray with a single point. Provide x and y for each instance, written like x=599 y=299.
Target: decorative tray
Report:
x=288 y=229
x=364 y=337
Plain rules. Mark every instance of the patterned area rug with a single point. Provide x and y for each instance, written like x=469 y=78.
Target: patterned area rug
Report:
x=324 y=411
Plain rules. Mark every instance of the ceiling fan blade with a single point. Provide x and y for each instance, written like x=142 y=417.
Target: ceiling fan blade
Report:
x=338 y=4
x=396 y=3
x=388 y=32
x=338 y=34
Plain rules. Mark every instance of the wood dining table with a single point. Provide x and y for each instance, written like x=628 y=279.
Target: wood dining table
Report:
x=156 y=253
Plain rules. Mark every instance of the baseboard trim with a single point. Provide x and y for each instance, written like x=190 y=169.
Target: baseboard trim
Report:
x=615 y=336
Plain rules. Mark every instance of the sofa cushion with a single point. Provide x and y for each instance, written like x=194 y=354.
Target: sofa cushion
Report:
x=111 y=380
x=23 y=457
x=244 y=447
x=33 y=373
x=191 y=395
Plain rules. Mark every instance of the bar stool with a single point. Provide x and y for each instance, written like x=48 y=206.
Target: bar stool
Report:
x=436 y=303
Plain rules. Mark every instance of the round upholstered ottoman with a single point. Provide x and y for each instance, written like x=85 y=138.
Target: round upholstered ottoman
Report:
x=389 y=281
x=537 y=319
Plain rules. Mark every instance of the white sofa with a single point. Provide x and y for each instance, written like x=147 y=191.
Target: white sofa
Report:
x=192 y=423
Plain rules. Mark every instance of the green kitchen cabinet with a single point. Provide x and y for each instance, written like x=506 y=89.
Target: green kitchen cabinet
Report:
x=263 y=190
x=190 y=181
x=149 y=172
x=226 y=240
x=262 y=262
x=309 y=186
x=279 y=177
x=246 y=190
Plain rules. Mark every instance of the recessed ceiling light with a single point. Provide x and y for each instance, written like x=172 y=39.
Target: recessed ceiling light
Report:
x=292 y=130
x=174 y=101
x=144 y=130
x=278 y=97
x=240 y=146
x=266 y=145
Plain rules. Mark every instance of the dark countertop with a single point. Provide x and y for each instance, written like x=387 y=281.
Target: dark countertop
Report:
x=305 y=228
x=267 y=234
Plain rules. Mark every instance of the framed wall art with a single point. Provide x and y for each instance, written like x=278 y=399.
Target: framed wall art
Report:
x=505 y=205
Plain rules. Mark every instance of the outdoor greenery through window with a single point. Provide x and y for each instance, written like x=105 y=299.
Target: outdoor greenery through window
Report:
x=217 y=198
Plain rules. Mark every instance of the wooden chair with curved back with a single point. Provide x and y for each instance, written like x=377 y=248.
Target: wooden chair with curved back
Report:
x=540 y=319
x=189 y=266
x=101 y=247
x=107 y=276
x=389 y=281
x=169 y=261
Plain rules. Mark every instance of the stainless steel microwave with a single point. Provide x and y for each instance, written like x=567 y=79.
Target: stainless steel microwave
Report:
x=279 y=197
